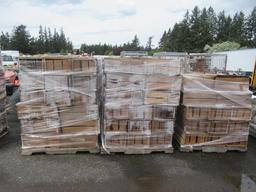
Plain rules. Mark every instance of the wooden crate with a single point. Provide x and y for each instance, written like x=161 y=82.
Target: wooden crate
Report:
x=58 y=143
x=210 y=143
x=210 y=113
x=142 y=126
x=138 y=143
x=143 y=66
x=208 y=98
x=140 y=112
x=215 y=127
x=58 y=63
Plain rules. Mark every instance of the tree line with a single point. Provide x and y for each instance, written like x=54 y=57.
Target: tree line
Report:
x=107 y=49
x=46 y=42
x=200 y=30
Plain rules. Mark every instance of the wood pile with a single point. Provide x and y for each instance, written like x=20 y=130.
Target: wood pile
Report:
x=215 y=113
x=140 y=101
x=59 y=108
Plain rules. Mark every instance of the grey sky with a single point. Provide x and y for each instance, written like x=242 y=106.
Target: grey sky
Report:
x=110 y=21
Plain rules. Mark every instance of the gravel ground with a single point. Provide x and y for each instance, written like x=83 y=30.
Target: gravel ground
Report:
x=191 y=172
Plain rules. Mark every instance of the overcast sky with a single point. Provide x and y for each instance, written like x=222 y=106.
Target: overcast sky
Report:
x=110 y=21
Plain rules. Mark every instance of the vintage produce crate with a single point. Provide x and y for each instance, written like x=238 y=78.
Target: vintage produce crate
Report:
x=141 y=96
x=59 y=106
x=215 y=114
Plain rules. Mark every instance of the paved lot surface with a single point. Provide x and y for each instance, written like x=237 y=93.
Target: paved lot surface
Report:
x=193 y=172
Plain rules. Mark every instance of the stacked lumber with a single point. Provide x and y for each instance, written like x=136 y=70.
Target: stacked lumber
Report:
x=58 y=109
x=215 y=114
x=141 y=96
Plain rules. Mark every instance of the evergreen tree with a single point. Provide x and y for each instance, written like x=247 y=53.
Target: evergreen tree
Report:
x=185 y=36
x=69 y=45
x=163 y=43
x=20 y=39
x=251 y=29
x=41 y=40
x=5 y=42
x=50 y=39
x=62 y=41
x=149 y=44
x=212 y=22
x=238 y=29
x=195 y=30
x=55 y=41
x=175 y=38
x=33 y=44
x=178 y=39
x=224 y=27
x=135 y=45
x=46 y=41
x=206 y=36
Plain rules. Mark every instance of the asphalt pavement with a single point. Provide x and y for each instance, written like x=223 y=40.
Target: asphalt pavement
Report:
x=193 y=172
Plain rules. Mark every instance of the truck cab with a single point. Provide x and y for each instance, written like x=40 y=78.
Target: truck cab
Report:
x=10 y=63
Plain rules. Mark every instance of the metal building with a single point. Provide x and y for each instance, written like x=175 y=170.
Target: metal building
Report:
x=240 y=60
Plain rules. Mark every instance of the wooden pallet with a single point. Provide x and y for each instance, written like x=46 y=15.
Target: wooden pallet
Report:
x=137 y=151
x=212 y=149
x=189 y=143
x=58 y=151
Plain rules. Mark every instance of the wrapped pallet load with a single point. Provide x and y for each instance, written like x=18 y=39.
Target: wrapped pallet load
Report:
x=58 y=109
x=253 y=122
x=139 y=107
x=215 y=113
x=3 y=119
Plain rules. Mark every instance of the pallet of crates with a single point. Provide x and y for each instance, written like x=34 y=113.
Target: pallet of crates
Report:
x=253 y=121
x=3 y=119
x=214 y=116
x=140 y=101
x=58 y=109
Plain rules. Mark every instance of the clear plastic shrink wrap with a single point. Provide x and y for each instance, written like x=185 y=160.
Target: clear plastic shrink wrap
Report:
x=215 y=113
x=59 y=107
x=253 y=121
x=141 y=96
x=3 y=119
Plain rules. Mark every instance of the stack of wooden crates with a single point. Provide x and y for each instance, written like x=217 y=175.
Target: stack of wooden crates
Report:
x=141 y=96
x=215 y=113
x=253 y=121
x=3 y=119
x=59 y=108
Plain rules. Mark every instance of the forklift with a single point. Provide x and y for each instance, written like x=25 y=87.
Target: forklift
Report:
x=10 y=63
x=253 y=80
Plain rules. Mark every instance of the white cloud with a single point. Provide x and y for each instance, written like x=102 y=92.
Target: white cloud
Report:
x=110 y=21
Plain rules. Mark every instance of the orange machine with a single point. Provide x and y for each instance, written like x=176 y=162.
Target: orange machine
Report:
x=11 y=80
